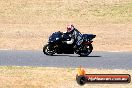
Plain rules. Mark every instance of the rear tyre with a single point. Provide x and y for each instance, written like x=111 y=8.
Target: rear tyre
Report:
x=86 y=50
x=47 y=50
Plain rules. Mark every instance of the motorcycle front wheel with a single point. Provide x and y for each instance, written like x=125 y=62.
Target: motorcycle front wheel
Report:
x=86 y=50
x=47 y=50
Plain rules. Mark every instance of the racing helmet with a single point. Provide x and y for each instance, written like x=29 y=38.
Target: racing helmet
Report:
x=70 y=28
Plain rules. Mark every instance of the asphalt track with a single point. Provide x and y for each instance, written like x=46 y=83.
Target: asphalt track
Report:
x=107 y=60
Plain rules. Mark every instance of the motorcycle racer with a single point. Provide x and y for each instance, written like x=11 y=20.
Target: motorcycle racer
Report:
x=69 y=43
x=74 y=34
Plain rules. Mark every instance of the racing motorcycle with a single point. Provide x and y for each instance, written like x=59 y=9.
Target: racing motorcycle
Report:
x=56 y=44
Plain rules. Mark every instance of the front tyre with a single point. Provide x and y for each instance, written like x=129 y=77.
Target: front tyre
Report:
x=86 y=50
x=47 y=50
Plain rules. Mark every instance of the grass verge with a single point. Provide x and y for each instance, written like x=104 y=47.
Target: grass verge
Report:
x=51 y=77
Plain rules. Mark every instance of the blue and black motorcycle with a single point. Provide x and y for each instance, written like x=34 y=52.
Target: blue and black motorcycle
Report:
x=56 y=44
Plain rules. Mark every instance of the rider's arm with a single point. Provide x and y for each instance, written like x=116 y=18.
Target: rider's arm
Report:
x=70 y=42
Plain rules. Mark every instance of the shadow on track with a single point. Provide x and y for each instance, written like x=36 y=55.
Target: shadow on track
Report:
x=74 y=55
x=84 y=56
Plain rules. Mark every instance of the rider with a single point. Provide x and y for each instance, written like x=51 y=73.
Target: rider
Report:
x=74 y=34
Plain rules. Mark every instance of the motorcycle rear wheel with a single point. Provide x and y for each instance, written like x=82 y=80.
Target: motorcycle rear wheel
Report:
x=86 y=50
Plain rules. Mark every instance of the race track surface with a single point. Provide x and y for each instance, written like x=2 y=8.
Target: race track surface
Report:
x=107 y=60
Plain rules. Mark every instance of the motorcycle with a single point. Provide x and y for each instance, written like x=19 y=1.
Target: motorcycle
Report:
x=56 y=44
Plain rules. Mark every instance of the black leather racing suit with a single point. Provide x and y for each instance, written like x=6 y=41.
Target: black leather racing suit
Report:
x=76 y=37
